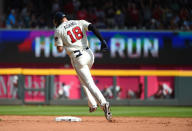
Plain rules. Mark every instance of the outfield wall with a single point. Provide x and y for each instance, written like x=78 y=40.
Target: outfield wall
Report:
x=42 y=86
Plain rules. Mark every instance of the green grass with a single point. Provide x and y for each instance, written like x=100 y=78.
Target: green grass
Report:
x=83 y=111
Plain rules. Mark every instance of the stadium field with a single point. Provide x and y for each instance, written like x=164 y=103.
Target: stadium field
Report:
x=125 y=118
x=127 y=111
x=41 y=118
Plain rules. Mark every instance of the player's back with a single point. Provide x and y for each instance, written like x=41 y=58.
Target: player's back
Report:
x=73 y=34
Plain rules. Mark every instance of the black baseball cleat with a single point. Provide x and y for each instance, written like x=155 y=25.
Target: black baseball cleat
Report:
x=92 y=109
x=107 y=111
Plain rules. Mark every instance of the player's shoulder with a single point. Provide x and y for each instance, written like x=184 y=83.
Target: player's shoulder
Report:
x=75 y=21
x=59 y=28
x=84 y=21
x=79 y=21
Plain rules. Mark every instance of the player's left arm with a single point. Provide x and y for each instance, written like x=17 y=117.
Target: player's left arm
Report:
x=91 y=27
x=58 y=41
x=104 y=46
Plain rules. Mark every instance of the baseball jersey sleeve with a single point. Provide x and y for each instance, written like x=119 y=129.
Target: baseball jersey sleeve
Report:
x=85 y=24
x=57 y=39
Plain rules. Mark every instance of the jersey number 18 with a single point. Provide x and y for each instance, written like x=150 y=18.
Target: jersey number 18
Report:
x=76 y=32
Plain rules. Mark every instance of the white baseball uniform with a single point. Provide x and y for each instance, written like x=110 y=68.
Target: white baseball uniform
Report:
x=72 y=36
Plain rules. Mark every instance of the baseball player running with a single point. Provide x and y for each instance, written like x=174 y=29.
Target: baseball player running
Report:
x=71 y=36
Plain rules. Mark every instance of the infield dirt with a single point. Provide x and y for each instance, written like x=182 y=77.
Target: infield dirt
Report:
x=48 y=123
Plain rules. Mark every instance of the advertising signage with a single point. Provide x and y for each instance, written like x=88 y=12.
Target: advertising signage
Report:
x=125 y=47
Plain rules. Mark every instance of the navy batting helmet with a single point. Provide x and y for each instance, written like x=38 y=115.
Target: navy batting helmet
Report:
x=57 y=19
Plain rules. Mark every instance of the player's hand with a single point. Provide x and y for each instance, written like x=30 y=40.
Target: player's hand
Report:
x=104 y=47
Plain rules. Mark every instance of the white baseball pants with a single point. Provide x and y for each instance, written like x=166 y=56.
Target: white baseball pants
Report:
x=82 y=64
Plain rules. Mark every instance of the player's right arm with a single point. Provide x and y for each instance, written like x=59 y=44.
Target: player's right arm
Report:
x=58 y=41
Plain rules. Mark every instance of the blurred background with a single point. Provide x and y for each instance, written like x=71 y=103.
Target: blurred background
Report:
x=112 y=14
x=150 y=43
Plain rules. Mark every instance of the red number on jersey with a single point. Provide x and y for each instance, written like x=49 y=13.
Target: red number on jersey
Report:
x=71 y=36
x=77 y=32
